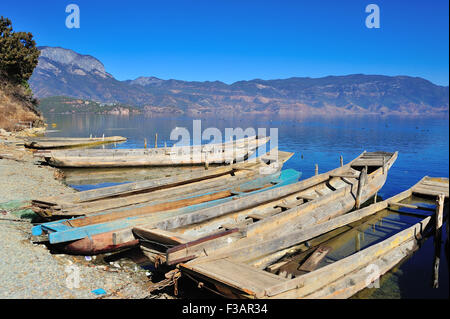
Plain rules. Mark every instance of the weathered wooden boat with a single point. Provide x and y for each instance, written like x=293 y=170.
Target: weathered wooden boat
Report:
x=193 y=182
x=93 y=176
x=279 y=210
x=234 y=151
x=66 y=142
x=295 y=264
x=97 y=233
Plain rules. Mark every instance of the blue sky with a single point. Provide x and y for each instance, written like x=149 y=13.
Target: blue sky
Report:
x=230 y=40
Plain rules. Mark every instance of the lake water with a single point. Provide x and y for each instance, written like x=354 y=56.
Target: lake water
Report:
x=422 y=143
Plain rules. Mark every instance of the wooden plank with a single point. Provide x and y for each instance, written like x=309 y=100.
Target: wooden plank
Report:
x=412 y=206
x=238 y=225
x=307 y=197
x=368 y=162
x=434 y=188
x=240 y=276
x=435 y=183
x=319 y=192
x=256 y=216
x=289 y=206
x=202 y=246
x=345 y=175
x=159 y=235
x=421 y=190
x=313 y=261
x=361 y=183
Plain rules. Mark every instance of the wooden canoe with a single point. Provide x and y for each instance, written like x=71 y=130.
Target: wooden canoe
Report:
x=168 y=156
x=280 y=210
x=197 y=181
x=67 y=142
x=253 y=271
x=93 y=176
x=99 y=233
x=98 y=229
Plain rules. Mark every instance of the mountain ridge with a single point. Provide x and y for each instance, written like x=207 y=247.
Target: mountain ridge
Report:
x=63 y=72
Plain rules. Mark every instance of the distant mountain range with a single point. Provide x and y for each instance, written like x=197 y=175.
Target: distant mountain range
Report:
x=63 y=72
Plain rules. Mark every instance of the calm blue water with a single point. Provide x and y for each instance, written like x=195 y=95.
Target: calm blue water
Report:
x=422 y=143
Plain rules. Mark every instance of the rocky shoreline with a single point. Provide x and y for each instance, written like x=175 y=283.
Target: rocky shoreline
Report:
x=28 y=269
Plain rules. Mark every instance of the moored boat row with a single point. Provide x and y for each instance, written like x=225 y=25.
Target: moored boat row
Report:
x=125 y=206
x=229 y=152
x=252 y=229
x=42 y=143
x=256 y=270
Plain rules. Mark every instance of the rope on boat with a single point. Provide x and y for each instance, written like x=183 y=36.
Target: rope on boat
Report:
x=144 y=240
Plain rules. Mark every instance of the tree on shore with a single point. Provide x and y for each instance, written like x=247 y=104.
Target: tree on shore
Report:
x=18 y=53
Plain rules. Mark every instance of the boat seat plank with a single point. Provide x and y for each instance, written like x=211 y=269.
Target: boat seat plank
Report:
x=368 y=162
x=435 y=188
x=426 y=191
x=313 y=261
x=243 y=223
x=238 y=275
x=161 y=236
x=256 y=216
x=412 y=206
x=307 y=197
x=433 y=183
x=287 y=206
x=349 y=175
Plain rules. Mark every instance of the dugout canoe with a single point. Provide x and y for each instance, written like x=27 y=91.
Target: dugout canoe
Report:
x=96 y=233
x=280 y=210
x=222 y=153
x=259 y=271
x=93 y=176
x=193 y=182
x=67 y=142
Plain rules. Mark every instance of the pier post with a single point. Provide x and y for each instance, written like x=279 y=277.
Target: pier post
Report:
x=342 y=161
x=317 y=170
x=156 y=140
x=437 y=238
x=358 y=242
x=361 y=181
x=206 y=161
x=446 y=247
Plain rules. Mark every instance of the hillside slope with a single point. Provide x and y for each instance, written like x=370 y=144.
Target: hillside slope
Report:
x=63 y=72
x=16 y=106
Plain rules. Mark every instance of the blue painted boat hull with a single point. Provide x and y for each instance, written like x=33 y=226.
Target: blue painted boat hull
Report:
x=59 y=232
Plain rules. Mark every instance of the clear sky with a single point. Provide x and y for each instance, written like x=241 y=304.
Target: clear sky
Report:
x=232 y=40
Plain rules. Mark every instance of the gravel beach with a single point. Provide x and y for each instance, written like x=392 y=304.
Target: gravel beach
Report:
x=28 y=269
